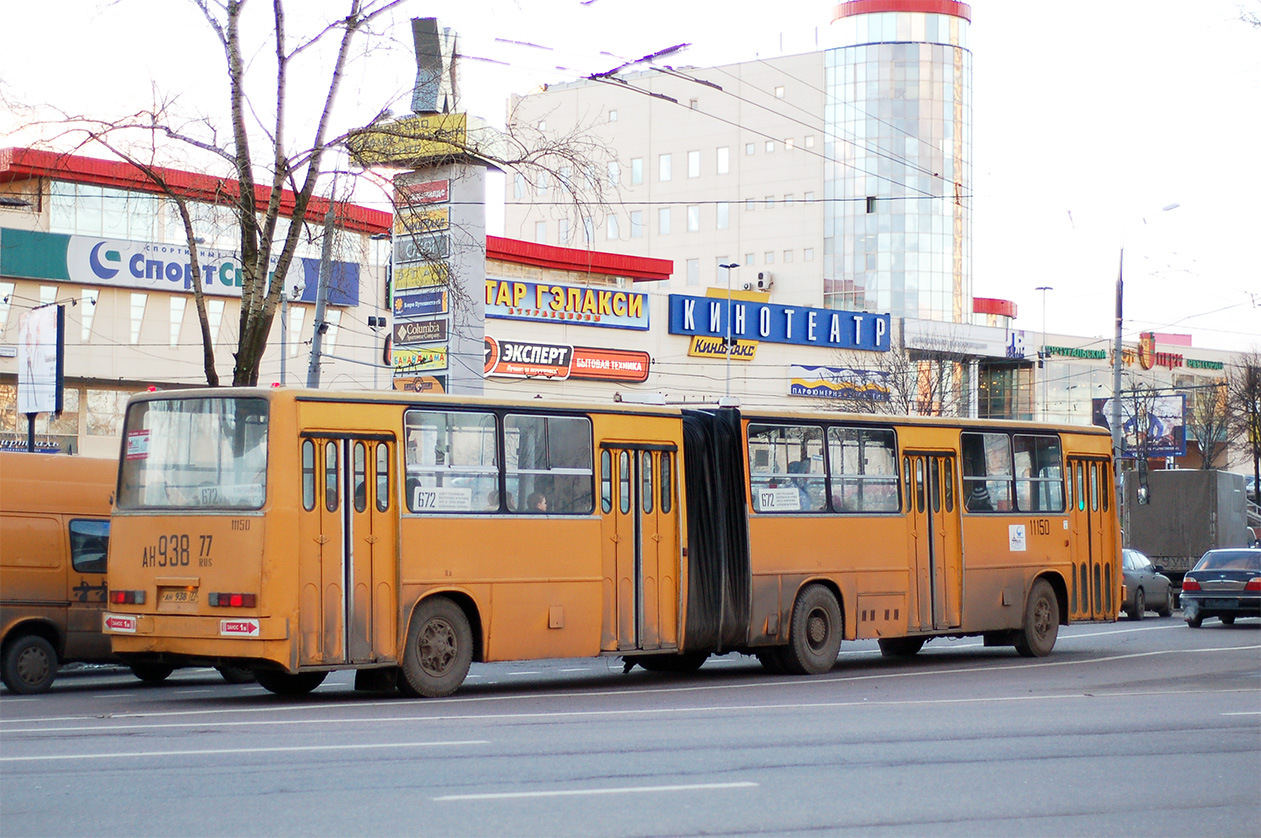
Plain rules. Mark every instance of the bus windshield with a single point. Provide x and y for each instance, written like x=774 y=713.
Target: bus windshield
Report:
x=204 y=453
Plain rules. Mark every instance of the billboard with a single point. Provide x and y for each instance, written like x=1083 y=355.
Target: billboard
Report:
x=838 y=383
x=1153 y=425
x=527 y=359
x=775 y=323
x=41 y=340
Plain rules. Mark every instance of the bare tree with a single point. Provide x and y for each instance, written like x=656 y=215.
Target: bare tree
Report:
x=276 y=178
x=1207 y=419
x=1243 y=395
x=924 y=381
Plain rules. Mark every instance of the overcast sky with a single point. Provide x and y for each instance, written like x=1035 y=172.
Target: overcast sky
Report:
x=1088 y=115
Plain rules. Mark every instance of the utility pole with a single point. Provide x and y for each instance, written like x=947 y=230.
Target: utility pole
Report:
x=321 y=297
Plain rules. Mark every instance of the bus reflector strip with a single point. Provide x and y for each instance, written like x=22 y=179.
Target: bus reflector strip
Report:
x=224 y=600
x=127 y=597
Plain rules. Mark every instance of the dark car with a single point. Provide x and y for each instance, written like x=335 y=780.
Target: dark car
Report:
x=1225 y=584
x=1145 y=587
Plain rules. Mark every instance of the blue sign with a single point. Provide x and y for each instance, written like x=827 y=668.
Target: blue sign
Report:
x=425 y=303
x=831 y=328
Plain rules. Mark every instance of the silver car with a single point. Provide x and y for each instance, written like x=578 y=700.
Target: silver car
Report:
x=1145 y=587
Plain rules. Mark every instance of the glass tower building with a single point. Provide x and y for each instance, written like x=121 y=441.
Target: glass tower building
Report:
x=898 y=180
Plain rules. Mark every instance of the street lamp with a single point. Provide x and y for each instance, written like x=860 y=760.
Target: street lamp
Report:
x=1116 y=367
x=728 y=267
x=1042 y=353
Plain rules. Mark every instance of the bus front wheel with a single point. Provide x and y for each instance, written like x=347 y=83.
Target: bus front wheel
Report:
x=814 y=640
x=1041 y=626
x=439 y=650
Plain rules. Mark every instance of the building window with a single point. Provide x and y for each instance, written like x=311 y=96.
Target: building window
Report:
x=724 y=160
x=770 y=202
x=540 y=232
x=540 y=185
x=178 y=302
x=693 y=272
x=615 y=173
x=611 y=228
x=138 y=301
x=637 y=224
x=297 y=315
x=748 y=205
x=693 y=164
x=723 y=212
x=663 y=167
x=809 y=140
x=693 y=104
x=562 y=236
x=542 y=125
x=788 y=256
x=637 y=170
x=789 y=144
x=214 y=314
x=779 y=91
x=809 y=196
x=748 y=259
x=518 y=188
x=770 y=146
x=87 y=311
x=588 y=230
x=748 y=149
x=693 y=219
x=807 y=254
x=613 y=115
x=788 y=200
x=663 y=221
x=768 y=258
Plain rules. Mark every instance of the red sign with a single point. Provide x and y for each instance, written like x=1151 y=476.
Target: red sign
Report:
x=246 y=628
x=610 y=365
x=428 y=192
x=520 y=359
x=119 y=623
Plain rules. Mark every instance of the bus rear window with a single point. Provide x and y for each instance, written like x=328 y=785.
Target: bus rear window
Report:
x=208 y=453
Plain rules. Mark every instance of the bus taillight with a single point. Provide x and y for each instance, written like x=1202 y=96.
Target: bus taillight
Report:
x=224 y=600
x=127 y=597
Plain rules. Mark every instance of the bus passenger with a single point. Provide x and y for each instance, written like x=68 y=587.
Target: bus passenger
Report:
x=536 y=502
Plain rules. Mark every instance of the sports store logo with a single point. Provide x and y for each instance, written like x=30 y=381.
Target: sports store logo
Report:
x=153 y=266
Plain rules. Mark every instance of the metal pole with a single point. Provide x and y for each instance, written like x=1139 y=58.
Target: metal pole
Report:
x=1043 y=355
x=321 y=296
x=1116 y=381
x=728 y=319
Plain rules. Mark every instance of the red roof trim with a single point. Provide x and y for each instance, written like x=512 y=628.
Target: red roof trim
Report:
x=570 y=259
x=23 y=163
x=989 y=305
x=932 y=7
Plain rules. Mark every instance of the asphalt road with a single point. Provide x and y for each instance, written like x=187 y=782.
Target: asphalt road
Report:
x=1145 y=728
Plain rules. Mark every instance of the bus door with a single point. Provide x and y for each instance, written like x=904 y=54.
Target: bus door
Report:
x=1090 y=502
x=932 y=500
x=637 y=498
x=347 y=554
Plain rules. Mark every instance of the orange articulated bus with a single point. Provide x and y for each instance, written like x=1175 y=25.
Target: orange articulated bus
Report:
x=298 y=532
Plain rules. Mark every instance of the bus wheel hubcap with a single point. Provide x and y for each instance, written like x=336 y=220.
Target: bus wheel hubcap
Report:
x=437 y=647
x=817 y=630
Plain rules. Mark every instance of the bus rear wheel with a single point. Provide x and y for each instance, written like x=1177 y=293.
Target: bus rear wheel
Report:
x=1041 y=626
x=439 y=650
x=285 y=683
x=814 y=639
x=30 y=664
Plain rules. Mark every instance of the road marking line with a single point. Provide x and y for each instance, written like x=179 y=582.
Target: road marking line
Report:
x=12 y=725
x=576 y=792
x=222 y=751
x=536 y=672
x=1244 y=713
x=580 y=669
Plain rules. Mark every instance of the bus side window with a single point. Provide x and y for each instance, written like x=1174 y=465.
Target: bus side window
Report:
x=667 y=489
x=606 y=481
x=89 y=543
x=360 y=477
x=308 y=475
x=383 y=477
x=330 y=477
